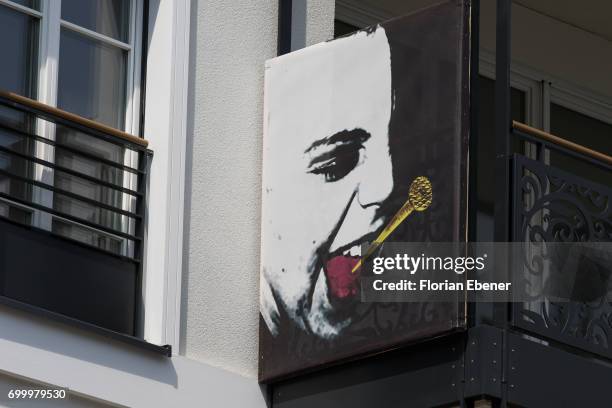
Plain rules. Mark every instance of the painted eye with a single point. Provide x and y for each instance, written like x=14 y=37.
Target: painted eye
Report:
x=338 y=166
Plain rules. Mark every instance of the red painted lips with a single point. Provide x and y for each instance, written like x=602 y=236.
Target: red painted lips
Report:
x=341 y=281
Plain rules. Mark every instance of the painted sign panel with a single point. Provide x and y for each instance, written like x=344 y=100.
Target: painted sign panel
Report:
x=348 y=126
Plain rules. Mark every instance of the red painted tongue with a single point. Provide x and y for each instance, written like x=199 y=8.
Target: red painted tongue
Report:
x=342 y=282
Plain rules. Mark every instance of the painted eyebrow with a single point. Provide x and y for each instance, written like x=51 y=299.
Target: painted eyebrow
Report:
x=345 y=136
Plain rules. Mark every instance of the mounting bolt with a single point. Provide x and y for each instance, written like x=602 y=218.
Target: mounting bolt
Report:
x=494 y=361
x=472 y=379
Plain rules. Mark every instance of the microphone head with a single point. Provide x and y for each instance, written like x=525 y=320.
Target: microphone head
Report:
x=420 y=194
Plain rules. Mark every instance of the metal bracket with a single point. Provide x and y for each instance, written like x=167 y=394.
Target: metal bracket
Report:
x=483 y=361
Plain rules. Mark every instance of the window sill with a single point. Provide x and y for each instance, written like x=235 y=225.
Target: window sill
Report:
x=165 y=350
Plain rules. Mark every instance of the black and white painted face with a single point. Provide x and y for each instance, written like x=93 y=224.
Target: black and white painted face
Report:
x=327 y=172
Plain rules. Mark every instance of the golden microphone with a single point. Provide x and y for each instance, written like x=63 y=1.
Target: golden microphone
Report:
x=419 y=199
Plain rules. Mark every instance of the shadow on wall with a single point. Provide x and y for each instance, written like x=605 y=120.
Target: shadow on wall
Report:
x=23 y=328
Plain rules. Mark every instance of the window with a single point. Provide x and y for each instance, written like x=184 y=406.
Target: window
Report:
x=585 y=130
x=19 y=47
x=112 y=37
x=81 y=56
x=78 y=55
x=19 y=32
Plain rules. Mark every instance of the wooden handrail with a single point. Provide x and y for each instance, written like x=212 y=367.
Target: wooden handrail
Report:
x=575 y=147
x=74 y=118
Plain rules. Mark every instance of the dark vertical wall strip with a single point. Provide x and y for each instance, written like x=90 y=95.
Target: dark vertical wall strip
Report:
x=285 y=12
x=143 y=160
x=474 y=119
x=503 y=126
x=143 y=66
x=474 y=310
x=502 y=120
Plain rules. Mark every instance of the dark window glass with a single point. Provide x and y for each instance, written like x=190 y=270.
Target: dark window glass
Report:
x=33 y=4
x=586 y=131
x=87 y=236
x=92 y=79
x=341 y=28
x=15 y=213
x=18 y=39
x=581 y=129
x=92 y=84
x=18 y=70
x=107 y=17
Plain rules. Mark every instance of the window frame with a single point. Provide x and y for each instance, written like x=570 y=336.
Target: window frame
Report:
x=46 y=87
x=542 y=90
x=166 y=124
x=50 y=25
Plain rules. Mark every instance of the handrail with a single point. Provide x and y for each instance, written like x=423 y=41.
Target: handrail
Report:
x=126 y=218
x=562 y=142
x=74 y=118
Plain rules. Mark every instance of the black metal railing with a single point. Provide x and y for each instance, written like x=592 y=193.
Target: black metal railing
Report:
x=562 y=193
x=72 y=214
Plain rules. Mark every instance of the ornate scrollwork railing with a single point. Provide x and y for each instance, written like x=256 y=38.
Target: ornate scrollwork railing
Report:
x=556 y=206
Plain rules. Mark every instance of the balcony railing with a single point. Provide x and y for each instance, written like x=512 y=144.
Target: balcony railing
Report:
x=72 y=214
x=562 y=193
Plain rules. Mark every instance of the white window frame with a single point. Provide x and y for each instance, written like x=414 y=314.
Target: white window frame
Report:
x=166 y=130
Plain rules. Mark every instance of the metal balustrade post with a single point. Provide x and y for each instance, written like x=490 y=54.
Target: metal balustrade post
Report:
x=503 y=124
x=285 y=13
x=503 y=127
x=474 y=120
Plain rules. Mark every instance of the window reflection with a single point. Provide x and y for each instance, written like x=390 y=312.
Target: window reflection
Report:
x=92 y=79
x=109 y=17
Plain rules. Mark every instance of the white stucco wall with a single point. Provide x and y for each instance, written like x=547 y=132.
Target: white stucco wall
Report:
x=319 y=21
x=230 y=42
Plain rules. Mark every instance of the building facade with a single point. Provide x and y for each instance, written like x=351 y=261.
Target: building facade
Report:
x=131 y=175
